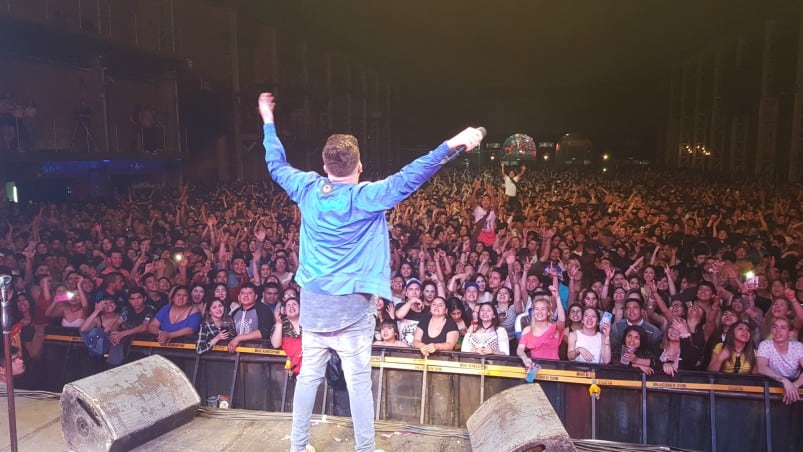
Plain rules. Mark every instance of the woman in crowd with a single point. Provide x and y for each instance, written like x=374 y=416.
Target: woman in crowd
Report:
x=635 y=350
x=782 y=359
x=217 y=326
x=736 y=354
x=458 y=314
x=505 y=305
x=592 y=342
x=648 y=279
x=618 y=302
x=282 y=271
x=385 y=310
x=291 y=291
x=177 y=319
x=574 y=322
x=220 y=291
x=70 y=308
x=429 y=290
x=727 y=318
x=437 y=332
x=487 y=337
x=541 y=339
x=589 y=299
x=389 y=335
x=103 y=317
x=679 y=350
x=482 y=286
x=286 y=332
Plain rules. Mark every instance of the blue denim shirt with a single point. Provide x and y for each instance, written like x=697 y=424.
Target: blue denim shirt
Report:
x=344 y=247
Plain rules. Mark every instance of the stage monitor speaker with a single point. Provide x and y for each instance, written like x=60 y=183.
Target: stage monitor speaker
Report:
x=518 y=419
x=126 y=406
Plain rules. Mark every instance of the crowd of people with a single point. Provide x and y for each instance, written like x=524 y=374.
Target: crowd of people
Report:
x=660 y=272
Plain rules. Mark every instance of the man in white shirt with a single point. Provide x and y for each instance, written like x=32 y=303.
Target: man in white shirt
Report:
x=511 y=190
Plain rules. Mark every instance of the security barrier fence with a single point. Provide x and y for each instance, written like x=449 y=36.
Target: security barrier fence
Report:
x=694 y=410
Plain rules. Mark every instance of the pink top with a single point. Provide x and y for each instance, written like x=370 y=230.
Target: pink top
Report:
x=544 y=346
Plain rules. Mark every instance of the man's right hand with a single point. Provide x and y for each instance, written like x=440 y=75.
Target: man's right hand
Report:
x=470 y=138
x=266 y=103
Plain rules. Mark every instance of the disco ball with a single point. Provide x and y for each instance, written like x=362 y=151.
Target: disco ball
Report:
x=520 y=145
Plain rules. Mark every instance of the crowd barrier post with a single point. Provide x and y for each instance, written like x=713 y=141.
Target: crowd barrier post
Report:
x=66 y=361
x=234 y=376
x=423 y=390
x=643 y=408
x=380 y=383
x=767 y=415
x=284 y=390
x=482 y=380
x=712 y=412
x=195 y=368
x=594 y=410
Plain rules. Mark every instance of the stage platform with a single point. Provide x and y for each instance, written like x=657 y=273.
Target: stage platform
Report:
x=213 y=430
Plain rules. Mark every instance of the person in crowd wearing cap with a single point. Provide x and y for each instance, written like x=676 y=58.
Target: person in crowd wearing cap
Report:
x=410 y=311
x=634 y=315
x=346 y=219
x=471 y=293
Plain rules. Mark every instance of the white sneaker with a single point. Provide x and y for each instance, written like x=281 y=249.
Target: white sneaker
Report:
x=309 y=448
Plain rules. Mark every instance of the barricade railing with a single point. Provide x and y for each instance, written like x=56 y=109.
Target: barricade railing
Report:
x=600 y=402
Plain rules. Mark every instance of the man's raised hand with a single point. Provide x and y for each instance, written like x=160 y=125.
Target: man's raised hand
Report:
x=266 y=103
x=470 y=138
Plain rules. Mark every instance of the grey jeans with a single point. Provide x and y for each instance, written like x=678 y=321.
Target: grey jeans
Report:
x=353 y=344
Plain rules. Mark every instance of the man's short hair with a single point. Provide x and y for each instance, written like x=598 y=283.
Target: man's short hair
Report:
x=249 y=285
x=145 y=277
x=271 y=285
x=341 y=155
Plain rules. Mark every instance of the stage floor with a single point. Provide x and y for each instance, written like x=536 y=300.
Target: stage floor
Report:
x=213 y=430
x=39 y=429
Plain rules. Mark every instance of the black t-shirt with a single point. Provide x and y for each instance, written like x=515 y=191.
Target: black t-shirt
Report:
x=131 y=319
x=158 y=303
x=440 y=338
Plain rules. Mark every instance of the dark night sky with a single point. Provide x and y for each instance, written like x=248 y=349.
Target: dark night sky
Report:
x=598 y=67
